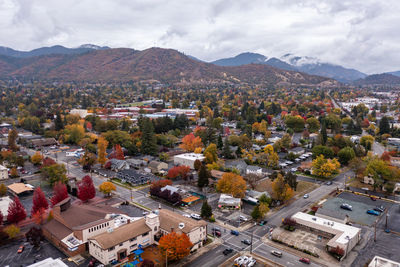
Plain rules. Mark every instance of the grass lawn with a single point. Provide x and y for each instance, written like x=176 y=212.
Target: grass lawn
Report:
x=304 y=187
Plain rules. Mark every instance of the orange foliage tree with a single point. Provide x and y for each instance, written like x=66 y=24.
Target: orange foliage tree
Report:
x=119 y=154
x=231 y=183
x=161 y=183
x=101 y=150
x=178 y=171
x=191 y=142
x=175 y=246
x=282 y=191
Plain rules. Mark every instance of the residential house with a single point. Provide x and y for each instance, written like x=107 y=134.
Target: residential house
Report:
x=3 y=172
x=116 y=244
x=158 y=166
x=298 y=151
x=240 y=165
x=252 y=169
x=39 y=143
x=136 y=163
x=195 y=230
x=4 y=203
x=216 y=174
x=119 y=165
x=20 y=188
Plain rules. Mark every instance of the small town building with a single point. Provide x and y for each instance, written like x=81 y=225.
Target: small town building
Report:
x=20 y=188
x=118 y=165
x=229 y=202
x=42 y=142
x=136 y=163
x=195 y=230
x=158 y=166
x=378 y=261
x=298 y=151
x=134 y=177
x=4 y=203
x=49 y=262
x=252 y=169
x=188 y=159
x=216 y=174
x=340 y=235
x=3 y=172
x=240 y=165
x=80 y=112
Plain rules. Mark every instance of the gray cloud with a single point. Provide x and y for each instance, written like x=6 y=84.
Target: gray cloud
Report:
x=361 y=34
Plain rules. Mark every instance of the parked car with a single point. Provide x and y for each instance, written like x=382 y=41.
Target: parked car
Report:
x=246 y=242
x=306 y=196
x=251 y=263
x=346 y=206
x=242 y=218
x=186 y=215
x=293 y=169
x=234 y=232
x=263 y=222
x=380 y=209
x=297 y=160
x=329 y=183
x=373 y=198
x=216 y=232
x=373 y=212
x=195 y=216
x=227 y=251
x=20 y=249
x=276 y=253
x=305 y=260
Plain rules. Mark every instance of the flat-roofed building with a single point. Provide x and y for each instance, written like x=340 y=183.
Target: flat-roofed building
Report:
x=340 y=235
x=382 y=262
x=3 y=172
x=188 y=159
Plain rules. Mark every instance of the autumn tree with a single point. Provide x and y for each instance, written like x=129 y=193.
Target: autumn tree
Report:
x=345 y=155
x=86 y=189
x=161 y=183
x=367 y=141
x=1 y=218
x=260 y=211
x=178 y=171
x=191 y=142
x=210 y=153
x=252 y=180
x=233 y=184
x=106 y=188
x=147 y=263
x=16 y=212
x=175 y=246
x=282 y=191
x=197 y=164
x=39 y=201
x=12 y=231
x=12 y=138
x=3 y=190
x=313 y=124
x=148 y=139
x=206 y=210
x=48 y=162
x=119 y=154
x=54 y=173
x=74 y=133
x=59 y=193
x=102 y=145
x=37 y=158
x=323 y=167
x=14 y=172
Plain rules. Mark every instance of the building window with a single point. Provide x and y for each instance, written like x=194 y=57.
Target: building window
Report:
x=132 y=239
x=121 y=244
x=155 y=228
x=111 y=249
x=132 y=246
x=145 y=234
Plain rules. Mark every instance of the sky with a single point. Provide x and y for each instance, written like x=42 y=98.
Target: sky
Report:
x=360 y=34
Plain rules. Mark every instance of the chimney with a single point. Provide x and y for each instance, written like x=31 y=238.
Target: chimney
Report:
x=128 y=221
x=172 y=229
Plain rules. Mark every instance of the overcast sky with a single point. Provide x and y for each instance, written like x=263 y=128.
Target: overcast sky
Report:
x=361 y=34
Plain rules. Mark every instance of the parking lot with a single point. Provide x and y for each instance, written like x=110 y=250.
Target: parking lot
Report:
x=10 y=257
x=357 y=215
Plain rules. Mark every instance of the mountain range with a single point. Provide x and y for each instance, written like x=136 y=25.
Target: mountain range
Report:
x=92 y=63
x=307 y=65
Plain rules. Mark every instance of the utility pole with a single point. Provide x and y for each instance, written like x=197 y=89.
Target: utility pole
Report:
x=375 y=230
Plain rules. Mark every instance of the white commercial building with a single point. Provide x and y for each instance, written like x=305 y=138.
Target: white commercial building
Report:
x=382 y=262
x=340 y=235
x=81 y=112
x=188 y=159
x=3 y=172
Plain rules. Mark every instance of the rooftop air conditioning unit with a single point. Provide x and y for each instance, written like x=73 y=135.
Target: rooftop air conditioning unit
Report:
x=181 y=225
x=110 y=230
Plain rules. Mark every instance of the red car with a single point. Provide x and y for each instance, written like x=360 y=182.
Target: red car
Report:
x=305 y=260
x=20 y=249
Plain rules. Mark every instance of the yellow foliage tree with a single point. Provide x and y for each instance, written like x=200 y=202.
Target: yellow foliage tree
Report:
x=211 y=153
x=101 y=150
x=282 y=191
x=37 y=158
x=12 y=231
x=106 y=188
x=323 y=167
x=233 y=184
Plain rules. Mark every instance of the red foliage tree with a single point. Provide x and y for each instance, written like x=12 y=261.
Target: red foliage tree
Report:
x=119 y=154
x=1 y=218
x=47 y=162
x=16 y=212
x=39 y=201
x=86 y=189
x=59 y=193
x=107 y=165
x=386 y=156
x=178 y=171
x=161 y=183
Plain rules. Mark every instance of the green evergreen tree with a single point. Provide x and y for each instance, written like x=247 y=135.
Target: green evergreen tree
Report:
x=220 y=143
x=203 y=176
x=58 y=123
x=206 y=210
x=384 y=127
x=149 y=141
x=227 y=150
x=323 y=133
x=256 y=214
